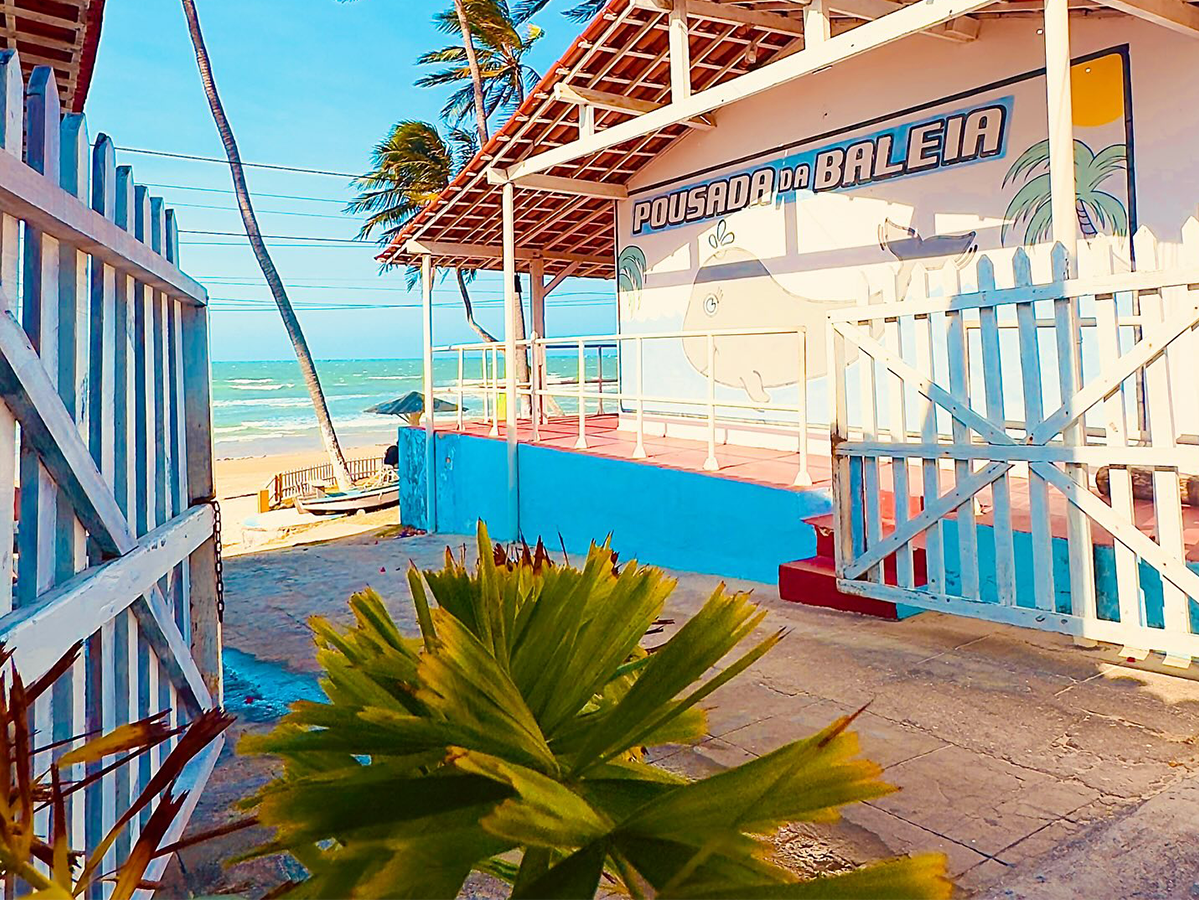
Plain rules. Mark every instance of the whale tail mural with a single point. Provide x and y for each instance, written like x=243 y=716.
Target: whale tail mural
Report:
x=935 y=251
x=734 y=290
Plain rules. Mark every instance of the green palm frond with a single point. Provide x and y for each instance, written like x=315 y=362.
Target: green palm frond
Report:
x=508 y=737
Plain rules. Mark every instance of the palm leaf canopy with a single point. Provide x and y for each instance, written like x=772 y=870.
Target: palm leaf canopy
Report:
x=509 y=738
x=409 y=169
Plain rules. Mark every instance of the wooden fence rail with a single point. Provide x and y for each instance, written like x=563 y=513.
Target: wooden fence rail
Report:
x=104 y=368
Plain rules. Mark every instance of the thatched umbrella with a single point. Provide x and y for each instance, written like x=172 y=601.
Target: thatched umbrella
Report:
x=411 y=406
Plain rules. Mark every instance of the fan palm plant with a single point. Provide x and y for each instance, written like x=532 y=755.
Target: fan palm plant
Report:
x=501 y=47
x=1094 y=208
x=509 y=739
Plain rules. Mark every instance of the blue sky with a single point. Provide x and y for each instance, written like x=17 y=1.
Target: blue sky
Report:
x=309 y=83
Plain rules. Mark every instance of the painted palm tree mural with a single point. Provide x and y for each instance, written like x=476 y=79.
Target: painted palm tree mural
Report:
x=1098 y=210
x=630 y=276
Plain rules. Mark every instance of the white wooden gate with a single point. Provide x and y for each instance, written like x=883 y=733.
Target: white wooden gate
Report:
x=104 y=390
x=972 y=416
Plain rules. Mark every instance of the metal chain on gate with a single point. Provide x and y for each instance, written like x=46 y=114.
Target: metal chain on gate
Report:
x=218 y=562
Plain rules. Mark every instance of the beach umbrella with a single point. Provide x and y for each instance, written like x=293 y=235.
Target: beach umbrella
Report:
x=411 y=403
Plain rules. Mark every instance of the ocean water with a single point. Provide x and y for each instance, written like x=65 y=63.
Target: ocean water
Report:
x=263 y=407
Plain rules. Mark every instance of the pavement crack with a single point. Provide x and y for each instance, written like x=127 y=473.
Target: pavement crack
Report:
x=933 y=832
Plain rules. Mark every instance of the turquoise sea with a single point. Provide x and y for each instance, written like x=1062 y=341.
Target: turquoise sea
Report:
x=263 y=407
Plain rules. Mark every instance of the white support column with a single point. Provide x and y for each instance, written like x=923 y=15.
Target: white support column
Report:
x=816 y=28
x=537 y=310
x=510 y=402
x=426 y=286
x=680 y=53
x=1061 y=126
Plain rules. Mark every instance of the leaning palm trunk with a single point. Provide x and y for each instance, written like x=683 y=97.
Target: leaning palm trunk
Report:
x=269 y=272
x=476 y=76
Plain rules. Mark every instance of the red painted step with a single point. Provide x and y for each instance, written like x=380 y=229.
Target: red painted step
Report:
x=814 y=581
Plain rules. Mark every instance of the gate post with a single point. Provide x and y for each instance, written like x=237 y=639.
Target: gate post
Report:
x=205 y=615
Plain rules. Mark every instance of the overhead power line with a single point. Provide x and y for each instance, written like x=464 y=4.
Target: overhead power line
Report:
x=281 y=237
x=272 y=212
x=279 y=167
x=208 y=190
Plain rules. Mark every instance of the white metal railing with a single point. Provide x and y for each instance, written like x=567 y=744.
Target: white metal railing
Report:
x=545 y=394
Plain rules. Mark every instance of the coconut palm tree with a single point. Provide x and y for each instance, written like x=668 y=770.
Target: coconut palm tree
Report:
x=472 y=66
x=410 y=167
x=501 y=47
x=1095 y=209
x=290 y=322
x=580 y=12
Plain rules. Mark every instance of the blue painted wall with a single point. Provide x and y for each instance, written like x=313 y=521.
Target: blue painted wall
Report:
x=667 y=517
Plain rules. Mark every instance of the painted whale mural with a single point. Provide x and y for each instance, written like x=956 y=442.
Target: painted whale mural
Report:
x=935 y=251
x=734 y=290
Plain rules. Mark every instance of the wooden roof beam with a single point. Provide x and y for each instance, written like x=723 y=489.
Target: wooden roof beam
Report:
x=1173 y=14
x=960 y=30
x=581 y=96
x=907 y=20
x=574 y=186
x=495 y=251
x=728 y=15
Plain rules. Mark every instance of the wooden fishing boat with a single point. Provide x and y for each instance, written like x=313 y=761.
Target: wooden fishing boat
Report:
x=362 y=499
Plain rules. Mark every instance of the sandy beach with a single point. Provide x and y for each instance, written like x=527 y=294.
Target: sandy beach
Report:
x=242 y=476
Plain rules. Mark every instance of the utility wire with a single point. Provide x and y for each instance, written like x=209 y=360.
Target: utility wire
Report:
x=207 y=190
x=279 y=237
x=273 y=212
x=213 y=159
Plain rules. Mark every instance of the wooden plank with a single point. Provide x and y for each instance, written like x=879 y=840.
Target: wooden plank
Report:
x=124 y=684
x=124 y=365
x=205 y=617
x=590 y=98
x=1069 y=365
x=178 y=438
x=1172 y=14
x=839 y=431
x=959 y=388
x=12 y=141
x=1128 y=593
x=1092 y=629
x=708 y=11
x=143 y=379
x=1160 y=404
x=1095 y=455
x=960 y=30
x=495 y=252
x=36 y=536
x=68 y=692
x=871 y=491
x=53 y=211
x=79 y=607
x=898 y=425
x=50 y=434
x=926 y=413
x=992 y=372
x=1038 y=492
x=102 y=396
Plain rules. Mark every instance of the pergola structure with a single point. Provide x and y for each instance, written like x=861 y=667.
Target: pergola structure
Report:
x=62 y=34
x=643 y=75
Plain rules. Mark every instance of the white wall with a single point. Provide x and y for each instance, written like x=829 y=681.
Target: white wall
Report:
x=824 y=249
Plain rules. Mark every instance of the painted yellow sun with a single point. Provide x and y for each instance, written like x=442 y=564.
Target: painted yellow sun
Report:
x=1097 y=90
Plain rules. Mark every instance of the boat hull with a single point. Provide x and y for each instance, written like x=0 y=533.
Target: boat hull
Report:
x=351 y=501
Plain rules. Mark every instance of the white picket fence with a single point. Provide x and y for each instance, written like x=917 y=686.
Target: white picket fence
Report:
x=104 y=368
x=985 y=401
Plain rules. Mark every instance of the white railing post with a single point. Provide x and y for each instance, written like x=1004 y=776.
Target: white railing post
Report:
x=639 y=450
x=535 y=379
x=599 y=362
x=710 y=464
x=483 y=390
x=461 y=375
x=495 y=390
x=581 y=380
x=802 y=478
x=426 y=276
